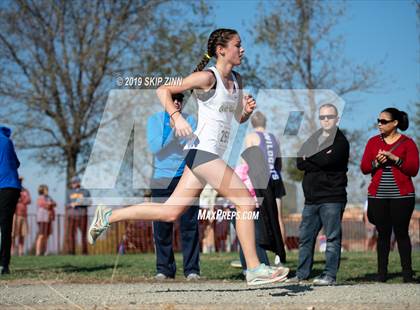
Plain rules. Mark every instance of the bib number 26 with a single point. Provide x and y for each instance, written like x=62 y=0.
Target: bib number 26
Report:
x=224 y=136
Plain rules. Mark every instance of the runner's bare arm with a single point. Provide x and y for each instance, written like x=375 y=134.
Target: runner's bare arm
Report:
x=197 y=80
x=246 y=104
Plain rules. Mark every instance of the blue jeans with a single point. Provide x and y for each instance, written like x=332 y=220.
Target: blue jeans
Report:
x=163 y=232
x=314 y=217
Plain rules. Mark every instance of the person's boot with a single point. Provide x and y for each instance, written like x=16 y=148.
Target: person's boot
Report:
x=5 y=270
x=382 y=276
x=408 y=276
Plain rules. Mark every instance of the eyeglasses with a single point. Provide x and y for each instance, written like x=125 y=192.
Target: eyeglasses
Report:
x=181 y=102
x=329 y=116
x=384 y=121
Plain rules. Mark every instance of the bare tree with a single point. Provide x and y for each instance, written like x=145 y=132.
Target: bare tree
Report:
x=59 y=60
x=301 y=51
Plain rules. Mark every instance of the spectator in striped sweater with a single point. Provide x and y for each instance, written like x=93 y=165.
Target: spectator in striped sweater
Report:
x=393 y=160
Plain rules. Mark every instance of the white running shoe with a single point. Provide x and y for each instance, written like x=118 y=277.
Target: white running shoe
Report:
x=266 y=274
x=193 y=277
x=161 y=277
x=99 y=224
x=277 y=261
x=236 y=264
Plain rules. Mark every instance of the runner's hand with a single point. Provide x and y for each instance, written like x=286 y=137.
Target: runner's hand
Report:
x=249 y=104
x=181 y=126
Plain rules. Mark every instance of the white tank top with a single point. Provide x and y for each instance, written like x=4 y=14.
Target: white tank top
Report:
x=214 y=118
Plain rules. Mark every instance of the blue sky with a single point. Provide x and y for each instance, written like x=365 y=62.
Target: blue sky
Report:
x=372 y=30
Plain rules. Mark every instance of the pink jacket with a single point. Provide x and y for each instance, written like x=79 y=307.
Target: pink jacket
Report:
x=242 y=171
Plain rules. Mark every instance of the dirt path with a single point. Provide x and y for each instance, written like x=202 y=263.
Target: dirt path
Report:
x=207 y=295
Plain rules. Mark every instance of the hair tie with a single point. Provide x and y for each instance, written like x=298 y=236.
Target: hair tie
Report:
x=207 y=56
x=176 y=111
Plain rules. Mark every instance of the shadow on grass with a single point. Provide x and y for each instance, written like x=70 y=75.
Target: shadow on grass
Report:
x=322 y=260
x=372 y=277
x=73 y=268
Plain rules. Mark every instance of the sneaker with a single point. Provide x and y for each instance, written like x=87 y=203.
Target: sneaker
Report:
x=294 y=280
x=408 y=277
x=324 y=281
x=279 y=265
x=99 y=224
x=161 y=277
x=281 y=268
x=277 y=261
x=266 y=274
x=236 y=264
x=193 y=277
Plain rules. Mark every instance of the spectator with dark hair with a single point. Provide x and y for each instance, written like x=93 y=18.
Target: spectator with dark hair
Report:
x=45 y=216
x=9 y=194
x=77 y=215
x=20 y=220
x=169 y=164
x=392 y=159
x=324 y=159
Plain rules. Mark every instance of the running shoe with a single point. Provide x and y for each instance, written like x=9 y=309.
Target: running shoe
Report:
x=294 y=280
x=277 y=261
x=99 y=224
x=236 y=264
x=266 y=274
x=161 y=277
x=324 y=280
x=193 y=277
x=281 y=268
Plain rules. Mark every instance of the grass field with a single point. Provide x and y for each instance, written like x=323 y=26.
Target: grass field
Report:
x=355 y=267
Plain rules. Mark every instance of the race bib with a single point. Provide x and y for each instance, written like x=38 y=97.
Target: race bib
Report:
x=223 y=136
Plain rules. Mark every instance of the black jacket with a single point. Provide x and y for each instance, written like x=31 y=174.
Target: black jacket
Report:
x=325 y=167
x=268 y=223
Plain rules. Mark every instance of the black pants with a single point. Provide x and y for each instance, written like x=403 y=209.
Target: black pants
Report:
x=74 y=223
x=388 y=215
x=8 y=200
x=163 y=233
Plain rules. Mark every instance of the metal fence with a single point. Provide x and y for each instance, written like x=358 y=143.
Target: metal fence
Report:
x=137 y=236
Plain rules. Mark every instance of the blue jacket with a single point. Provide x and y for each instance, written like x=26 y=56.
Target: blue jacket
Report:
x=9 y=163
x=168 y=150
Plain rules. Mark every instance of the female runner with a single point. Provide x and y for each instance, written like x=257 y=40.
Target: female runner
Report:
x=219 y=97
